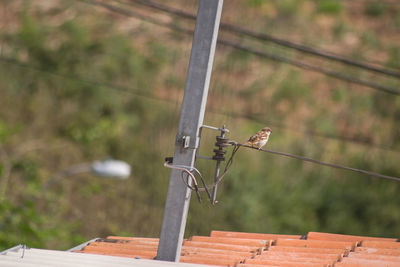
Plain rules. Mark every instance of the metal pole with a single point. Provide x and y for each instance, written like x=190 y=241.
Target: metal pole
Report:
x=191 y=119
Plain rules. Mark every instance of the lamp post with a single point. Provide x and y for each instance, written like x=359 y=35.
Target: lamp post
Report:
x=110 y=168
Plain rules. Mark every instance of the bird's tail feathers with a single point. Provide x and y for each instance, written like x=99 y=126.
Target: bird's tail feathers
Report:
x=247 y=143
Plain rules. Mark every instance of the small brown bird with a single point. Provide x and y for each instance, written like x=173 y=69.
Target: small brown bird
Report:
x=260 y=138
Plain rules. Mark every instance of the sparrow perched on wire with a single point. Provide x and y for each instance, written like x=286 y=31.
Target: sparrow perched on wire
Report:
x=260 y=138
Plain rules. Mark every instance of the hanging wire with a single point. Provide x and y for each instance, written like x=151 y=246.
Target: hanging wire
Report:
x=189 y=172
x=269 y=38
x=251 y=50
x=134 y=91
x=378 y=175
x=228 y=163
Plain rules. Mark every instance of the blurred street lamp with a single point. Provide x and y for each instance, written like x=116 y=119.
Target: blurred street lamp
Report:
x=111 y=168
x=107 y=168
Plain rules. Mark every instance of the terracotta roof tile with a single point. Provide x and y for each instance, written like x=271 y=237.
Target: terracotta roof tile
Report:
x=101 y=245
x=288 y=263
x=298 y=255
x=296 y=259
x=200 y=251
x=315 y=244
x=232 y=240
x=228 y=247
x=354 y=262
x=122 y=253
x=253 y=250
x=374 y=256
x=337 y=251
x=209 y=261
x=135 y=239
x=252 y=235
x=380 y=244
x=378 y=251
x=349 y=238
x=254 y=265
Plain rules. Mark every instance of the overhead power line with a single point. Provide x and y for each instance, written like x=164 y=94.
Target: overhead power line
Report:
x=133 y=91
x=310 y=67
x=269 y=38
x=306 y=132
x=78 y=79
x=322 y=163
x=241 y=47
x=128 y=90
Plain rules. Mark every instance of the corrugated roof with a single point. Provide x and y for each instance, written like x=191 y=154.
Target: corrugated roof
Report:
x=31 y=257
x=252 y=249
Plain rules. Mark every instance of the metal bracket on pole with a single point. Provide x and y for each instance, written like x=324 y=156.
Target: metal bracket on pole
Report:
x=222 y=130
x=219 y=157
x=191 y=120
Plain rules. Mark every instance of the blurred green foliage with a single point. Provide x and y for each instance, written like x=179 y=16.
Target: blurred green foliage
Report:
x=82 y=92
x=375 y=8
x=330 y=7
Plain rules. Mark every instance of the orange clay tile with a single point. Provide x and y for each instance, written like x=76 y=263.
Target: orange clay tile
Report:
x=256 y=250
x=379 y=251
x=333 y=257
x=344 y=264
x=379 y=244
x=254 y=265
x=368 y=263
x=233 y=241
x=187 y=250
x=220 y=246
x=226 y=257
x=146 y=239
x=208 y=261
x=315 y=244
x=348 y=238
x=288 y=263
x=142 y=242
x=329 y=262
x=297 y=258
x=374 y=256
x=252 y=235
x=127 y=246
x=127 y=251
x=338 y=251
x=150 y=256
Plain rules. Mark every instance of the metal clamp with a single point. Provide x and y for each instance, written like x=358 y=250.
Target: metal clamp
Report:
x=189 y=171
x=219 y=155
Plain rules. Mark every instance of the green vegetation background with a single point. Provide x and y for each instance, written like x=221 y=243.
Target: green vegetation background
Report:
x=78 y=83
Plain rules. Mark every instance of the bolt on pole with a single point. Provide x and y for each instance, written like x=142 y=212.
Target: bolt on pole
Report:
x=191 y=119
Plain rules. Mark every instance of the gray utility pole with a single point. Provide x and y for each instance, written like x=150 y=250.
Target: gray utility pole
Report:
x=191 y=119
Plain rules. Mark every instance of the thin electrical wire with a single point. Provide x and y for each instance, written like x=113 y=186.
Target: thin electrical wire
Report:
x=124 y=89
x=269 y=38
x=244 y=48
x=378 y=175
x=313 y=68
x=81 y=80
x=131 y=91
x=305 y=132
